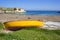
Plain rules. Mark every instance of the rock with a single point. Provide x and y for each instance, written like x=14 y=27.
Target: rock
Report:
x=51 y=25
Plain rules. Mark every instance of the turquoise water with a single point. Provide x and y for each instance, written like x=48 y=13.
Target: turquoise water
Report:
x=43 y=13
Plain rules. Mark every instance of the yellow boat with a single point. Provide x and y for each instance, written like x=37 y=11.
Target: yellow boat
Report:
x=14 y=25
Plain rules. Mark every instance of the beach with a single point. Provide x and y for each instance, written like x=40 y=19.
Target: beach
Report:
x=49 y=21
x=10 y=17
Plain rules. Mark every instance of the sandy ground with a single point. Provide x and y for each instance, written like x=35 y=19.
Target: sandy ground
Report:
x=50 y=21
x=9 y=17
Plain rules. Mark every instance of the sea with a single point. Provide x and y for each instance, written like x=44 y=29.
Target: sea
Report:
x=39 y=12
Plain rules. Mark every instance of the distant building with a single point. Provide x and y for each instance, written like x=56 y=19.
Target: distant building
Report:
x=7 y=10
x=19 y=10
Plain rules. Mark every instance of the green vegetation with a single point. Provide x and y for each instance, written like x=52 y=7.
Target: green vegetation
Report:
x=1 y=26
x=6 y=9
x=31 y=34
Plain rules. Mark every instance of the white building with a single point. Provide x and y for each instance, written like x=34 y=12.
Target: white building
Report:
x=19 y=10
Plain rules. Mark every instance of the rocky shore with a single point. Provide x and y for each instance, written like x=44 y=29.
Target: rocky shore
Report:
x=50 y=21
x=9 y=17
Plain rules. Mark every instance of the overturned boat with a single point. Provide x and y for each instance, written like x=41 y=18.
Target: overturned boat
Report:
x=18 y=24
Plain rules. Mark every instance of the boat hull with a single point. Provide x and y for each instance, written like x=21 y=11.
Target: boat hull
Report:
x=23 y=23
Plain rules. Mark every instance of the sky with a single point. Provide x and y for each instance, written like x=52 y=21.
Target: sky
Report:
x=32 y=4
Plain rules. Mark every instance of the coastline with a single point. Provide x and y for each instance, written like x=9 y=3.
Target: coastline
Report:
x=10 y=17
x=49 y=21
